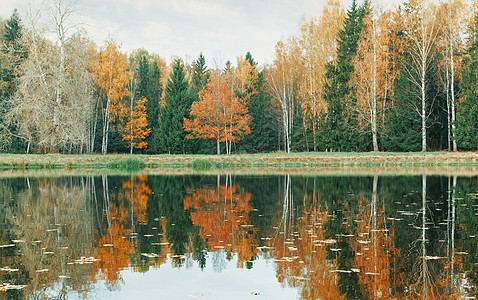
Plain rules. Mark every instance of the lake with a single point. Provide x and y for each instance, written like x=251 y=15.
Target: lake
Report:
x=239 y=237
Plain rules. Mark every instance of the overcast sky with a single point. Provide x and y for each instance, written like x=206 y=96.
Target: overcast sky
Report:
x=221 y=29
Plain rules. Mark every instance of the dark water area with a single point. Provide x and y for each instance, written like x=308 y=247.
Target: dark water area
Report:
x=239 y=237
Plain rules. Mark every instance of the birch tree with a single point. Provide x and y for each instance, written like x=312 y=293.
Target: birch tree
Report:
x=373 y=71
x=318 y=47
x=420 y=28
x=454 y=19
x=283 y=79
x=112 y=77
x=52 y=104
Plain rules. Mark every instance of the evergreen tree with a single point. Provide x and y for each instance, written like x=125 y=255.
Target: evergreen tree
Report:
x=11 y=56
x=467 y=109
x=153 y=93
x=263 y=137
x=172 y=138
x=336 y=133
x=200 y=76
x=401 y=132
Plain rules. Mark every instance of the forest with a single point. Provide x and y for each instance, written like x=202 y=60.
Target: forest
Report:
x=357 y=78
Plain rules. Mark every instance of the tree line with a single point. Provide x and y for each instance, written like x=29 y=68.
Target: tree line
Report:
x=361 y=79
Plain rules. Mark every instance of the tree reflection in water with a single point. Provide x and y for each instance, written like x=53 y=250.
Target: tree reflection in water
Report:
x=329 y=237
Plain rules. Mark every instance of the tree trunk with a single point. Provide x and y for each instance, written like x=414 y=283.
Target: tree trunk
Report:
x=374 y=98
x=104 y=145
x=423 y=115
x=131 y=129
x=452 y=89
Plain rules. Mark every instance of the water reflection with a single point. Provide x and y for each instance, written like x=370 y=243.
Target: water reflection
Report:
x=327 y=237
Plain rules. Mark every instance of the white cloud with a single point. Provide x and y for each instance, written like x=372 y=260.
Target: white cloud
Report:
x=221 y=29
x=7 y=7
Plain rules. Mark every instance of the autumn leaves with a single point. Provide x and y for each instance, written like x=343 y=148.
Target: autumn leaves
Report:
x=218 y=115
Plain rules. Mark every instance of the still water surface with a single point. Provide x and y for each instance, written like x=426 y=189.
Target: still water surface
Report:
x=239 y=237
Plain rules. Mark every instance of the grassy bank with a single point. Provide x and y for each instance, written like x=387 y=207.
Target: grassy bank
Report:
x=271 y=161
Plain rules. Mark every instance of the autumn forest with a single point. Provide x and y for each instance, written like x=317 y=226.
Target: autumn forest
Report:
x=355 y=78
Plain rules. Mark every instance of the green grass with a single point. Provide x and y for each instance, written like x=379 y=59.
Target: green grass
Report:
x=265 y=161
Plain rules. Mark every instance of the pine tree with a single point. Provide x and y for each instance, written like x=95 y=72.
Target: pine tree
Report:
x=401 y=131
x=336 y=133
x=178 y=100
x=200 y=75
x=11 y=56
x=467 y=107
x=263 y=137
x=153 y=91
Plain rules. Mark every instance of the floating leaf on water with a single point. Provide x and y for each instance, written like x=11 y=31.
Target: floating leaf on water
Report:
x=42 y=270
x=199 y=295
x=341 y=271
x=433 y=257
x=6 y=286
x=8 y=269
x=344 y=235
x=150 y=255
x=85 y=260
x=256 y=293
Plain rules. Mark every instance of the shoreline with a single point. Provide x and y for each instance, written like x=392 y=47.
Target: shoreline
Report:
x=304 y=162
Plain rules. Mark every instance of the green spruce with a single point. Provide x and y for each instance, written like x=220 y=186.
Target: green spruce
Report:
x=263 y=137
x=467 y=109
x=336 y=132
x=178 y=100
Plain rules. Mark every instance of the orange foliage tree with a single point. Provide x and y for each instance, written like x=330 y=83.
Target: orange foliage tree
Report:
x=222 y=215
x=138 y=131
x=218 y=115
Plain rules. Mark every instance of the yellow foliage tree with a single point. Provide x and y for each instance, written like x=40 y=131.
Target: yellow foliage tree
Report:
x=136 y=130
x=318 y=44
x=112 y=77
